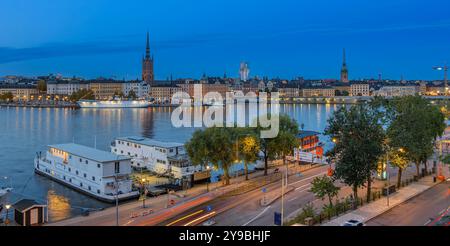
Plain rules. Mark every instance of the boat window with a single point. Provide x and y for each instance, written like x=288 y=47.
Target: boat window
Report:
x=98 y=165
x=117 y=167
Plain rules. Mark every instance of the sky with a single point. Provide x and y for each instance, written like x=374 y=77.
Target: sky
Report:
x=278 y=38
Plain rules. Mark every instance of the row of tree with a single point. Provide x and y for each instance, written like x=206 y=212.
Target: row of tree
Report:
x=8 y=96
x=224 y=147
x=402 y=130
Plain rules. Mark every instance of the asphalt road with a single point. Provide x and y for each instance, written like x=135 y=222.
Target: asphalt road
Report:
x=418 y=211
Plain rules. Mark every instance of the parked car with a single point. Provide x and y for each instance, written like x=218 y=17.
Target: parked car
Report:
x=209 y=223
x=353 y=223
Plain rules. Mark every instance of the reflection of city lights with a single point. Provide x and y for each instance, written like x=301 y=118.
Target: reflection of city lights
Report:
x=58 y=206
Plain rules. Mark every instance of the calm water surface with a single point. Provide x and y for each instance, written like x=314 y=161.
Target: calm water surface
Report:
x=25 y=131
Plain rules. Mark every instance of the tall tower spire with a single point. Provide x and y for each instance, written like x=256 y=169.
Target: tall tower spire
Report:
x=147 y=49
x=344 y=70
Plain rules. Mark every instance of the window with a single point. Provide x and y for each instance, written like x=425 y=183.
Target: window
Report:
x=121 y=151
x=76 y=172
x=98 y=191
x=70 y=170
x=117 y=167
x=85 y=175
x=87 y=162
x=89 y=188
x=93 y=178
x=81 y=184
x=81 y=160
x=98 y=165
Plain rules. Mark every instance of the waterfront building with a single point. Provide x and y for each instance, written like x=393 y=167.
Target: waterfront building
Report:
x=359 y=89
x=106 y=89
x=423 y=88
x=140 y=88
x=318 y=92
x=344 y=70
x=342 y=89
x=397 y=91
x=20 y=92
x=436 y=90
x=289 y=92
x=163 y=94
x=147 y=65
x=164 y=158
x=28 y=212
x=65 y=87
x=94 y=172
x=222 y=89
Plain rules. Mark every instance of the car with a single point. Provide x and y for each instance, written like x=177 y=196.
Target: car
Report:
x=209 y=223
x=353 y=223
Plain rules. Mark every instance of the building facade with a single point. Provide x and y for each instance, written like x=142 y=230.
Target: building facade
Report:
x=140 y=88
x=20 y=92
x=318 y=92
x=65 y=88
x=397 y=91
x=105 y=90
x=289 y=92
x=359 y=90
x=163 y=94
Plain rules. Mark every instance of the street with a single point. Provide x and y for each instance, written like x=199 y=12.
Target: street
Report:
x=418 y=211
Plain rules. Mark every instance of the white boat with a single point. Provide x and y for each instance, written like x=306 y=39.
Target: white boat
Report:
x=116 y=103
x=164 y=158
x=96 y=173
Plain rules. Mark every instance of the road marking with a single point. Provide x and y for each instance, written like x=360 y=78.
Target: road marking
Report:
x=257 y=216
x=185 y=217
x=308 y=178
x=200 y=218
x=428 y=222
x=298 y=188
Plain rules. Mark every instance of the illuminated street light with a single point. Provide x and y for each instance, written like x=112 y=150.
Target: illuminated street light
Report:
x=445 y=69
x=7 y=206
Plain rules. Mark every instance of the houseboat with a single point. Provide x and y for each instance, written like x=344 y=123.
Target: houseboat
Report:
x=99 y=174
x=163 y=158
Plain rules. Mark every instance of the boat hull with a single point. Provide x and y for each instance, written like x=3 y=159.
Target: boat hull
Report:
x=113 y=104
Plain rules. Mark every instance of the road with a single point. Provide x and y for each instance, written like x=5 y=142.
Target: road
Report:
x=245 y=209
x=418 y=211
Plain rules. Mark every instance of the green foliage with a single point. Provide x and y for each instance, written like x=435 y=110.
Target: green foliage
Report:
x=8 y=96
x=308 y=211
x=42 y=86
x=214 y=145
x=359 y=144
x=132 y=95
x=414 y=125
x=324 y=187
x=82 y=94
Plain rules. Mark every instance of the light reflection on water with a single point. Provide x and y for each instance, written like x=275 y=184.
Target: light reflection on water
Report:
x=25 y=131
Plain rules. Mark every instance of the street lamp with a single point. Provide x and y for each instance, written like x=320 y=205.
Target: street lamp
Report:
x=7 y=206
x=144 y=192
x=208 y=168
x=445 y=69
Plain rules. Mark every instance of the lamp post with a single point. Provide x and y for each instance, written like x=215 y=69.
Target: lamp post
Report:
x=445 y=69
x=7 y=206
x=144 y=192
x=117 y=199
x=208 y=168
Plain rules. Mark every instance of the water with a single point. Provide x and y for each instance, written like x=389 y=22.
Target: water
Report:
x=25 y=131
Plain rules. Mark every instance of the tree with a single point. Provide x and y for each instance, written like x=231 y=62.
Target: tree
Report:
x=359 y=145
x=398 y=158
x=42 y=86
x=132 y=94
x=281 y=145
x=324 y=187
x=249 y=149
x=414 y=126
x=214 y=145
x=8 y=96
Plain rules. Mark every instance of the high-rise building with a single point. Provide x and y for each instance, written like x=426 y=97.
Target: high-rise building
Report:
x=344 y=70
x=244 y=71
x=147 y=65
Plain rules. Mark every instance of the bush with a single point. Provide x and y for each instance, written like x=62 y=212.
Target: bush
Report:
x=307 y=211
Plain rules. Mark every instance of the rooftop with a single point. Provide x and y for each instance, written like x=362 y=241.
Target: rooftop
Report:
x=150 y=142
x=89 y=153
x=304 y=134
x=25 y=204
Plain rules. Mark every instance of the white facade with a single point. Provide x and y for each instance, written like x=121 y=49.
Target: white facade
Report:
x=65 y=87
x=142 y=89
x=359 y=90
x=244 y=71
x=88 y=170
x=164 y=158
x=397 y=91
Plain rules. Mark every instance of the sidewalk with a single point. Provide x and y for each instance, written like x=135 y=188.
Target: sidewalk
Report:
x=379 y=206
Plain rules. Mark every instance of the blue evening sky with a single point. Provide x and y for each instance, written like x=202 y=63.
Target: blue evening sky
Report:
x=278 y=38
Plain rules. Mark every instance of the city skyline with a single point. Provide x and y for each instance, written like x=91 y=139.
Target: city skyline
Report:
x=277 y=41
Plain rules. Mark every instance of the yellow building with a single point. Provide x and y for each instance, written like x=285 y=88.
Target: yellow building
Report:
x=318 y=92
x=105 y=90
x=20 y=92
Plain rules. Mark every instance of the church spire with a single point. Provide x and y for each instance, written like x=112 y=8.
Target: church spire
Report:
x=343 y=55
x=147 y=49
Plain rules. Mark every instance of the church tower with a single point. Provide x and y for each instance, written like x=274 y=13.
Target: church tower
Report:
x=344 y=70
x=147 y=65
